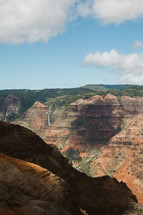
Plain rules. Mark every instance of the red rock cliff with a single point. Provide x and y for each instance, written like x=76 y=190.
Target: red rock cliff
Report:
x=9 y=107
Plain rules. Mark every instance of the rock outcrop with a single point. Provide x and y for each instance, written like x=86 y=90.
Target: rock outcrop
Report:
x=35 y=118
x=9 y=107
x=29 y=189
x=92 y=195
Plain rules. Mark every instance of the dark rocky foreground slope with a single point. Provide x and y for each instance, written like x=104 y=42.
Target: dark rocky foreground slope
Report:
x=95 y=196
x=28 y=189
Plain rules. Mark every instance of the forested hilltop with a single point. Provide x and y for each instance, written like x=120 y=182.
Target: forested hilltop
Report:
x=63 y=97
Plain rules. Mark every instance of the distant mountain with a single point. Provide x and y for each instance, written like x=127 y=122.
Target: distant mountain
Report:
x=28 y=97
x=15 y=102
x=107 y=87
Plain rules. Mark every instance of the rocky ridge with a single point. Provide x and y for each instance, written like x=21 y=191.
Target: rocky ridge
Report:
x=29 y=189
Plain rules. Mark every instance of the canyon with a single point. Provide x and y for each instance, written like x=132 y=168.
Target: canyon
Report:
x=37 y=179
x=100 y=135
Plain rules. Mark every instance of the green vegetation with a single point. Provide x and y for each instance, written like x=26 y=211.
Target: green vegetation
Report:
x=28 y=97
x=63 y=97
x=65 y=100
x=107 y=87
x=85 y=167
x=73 y=154
x=131 y=91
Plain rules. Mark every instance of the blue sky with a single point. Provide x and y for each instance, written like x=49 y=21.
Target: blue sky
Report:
x=71 y=46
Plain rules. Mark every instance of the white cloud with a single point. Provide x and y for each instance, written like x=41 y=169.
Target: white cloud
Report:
x=130 y=67
x=84 y=8
x=33 y=20
x=138 y=45
x=131 y=79
x=112 y=11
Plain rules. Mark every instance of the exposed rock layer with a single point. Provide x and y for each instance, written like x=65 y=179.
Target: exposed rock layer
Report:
x=36 y=118
x=96 y=119
x=123 y=157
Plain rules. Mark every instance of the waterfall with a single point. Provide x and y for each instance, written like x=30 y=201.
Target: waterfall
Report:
x=49 y=113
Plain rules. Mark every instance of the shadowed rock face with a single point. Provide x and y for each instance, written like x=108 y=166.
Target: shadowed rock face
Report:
x=9 y=107
x=103 y=117
x=93 y=195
